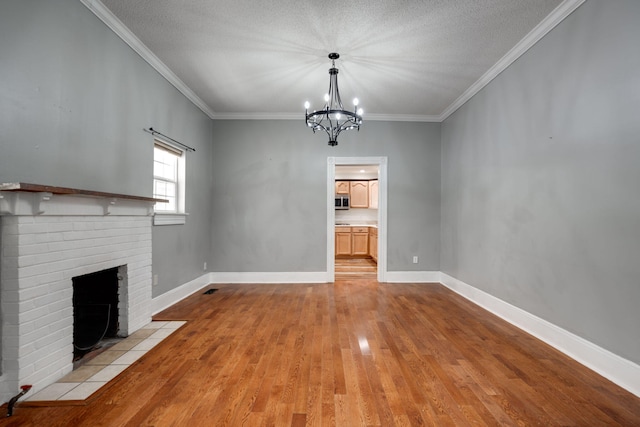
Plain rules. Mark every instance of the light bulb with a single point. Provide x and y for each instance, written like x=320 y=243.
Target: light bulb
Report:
x=337 y=116
x=326 y=97
x=307 y=105
x=360 y=111
x=356 y=101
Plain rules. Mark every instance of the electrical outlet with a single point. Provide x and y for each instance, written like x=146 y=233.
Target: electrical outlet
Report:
x=155 y=279
x=205 y=266
x=415 y=259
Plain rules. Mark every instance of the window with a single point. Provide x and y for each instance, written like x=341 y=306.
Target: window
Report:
x=168 y=184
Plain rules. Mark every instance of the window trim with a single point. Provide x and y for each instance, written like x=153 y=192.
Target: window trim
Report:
x=180 y=215
x=160 y=218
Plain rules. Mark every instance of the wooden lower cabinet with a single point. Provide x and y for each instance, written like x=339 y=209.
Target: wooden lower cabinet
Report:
x=359 y=240
x=373 y=243
x=343 y=240
x=356 y=241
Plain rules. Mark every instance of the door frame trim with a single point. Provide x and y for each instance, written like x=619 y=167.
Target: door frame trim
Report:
x=381 y=162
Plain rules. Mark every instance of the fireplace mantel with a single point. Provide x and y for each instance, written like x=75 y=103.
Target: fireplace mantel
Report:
x=35 y=199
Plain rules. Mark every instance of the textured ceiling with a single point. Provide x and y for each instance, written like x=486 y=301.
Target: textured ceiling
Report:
x=403 y=58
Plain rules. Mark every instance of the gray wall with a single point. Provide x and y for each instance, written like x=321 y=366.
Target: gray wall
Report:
x=269 y=193
x=74 y=100
x=541 y=175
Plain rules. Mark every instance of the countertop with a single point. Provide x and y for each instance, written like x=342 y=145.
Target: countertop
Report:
x=355 y=224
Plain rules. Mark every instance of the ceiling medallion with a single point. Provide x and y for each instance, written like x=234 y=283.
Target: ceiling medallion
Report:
x=333 y=118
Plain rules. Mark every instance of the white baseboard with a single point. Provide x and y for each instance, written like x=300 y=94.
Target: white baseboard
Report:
x=413 y=276
x=181 y=292
x=167 y=299
x=269 y=277
x=621 y=371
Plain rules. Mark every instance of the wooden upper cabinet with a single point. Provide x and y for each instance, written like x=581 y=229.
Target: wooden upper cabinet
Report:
x=342 y=187
x=373 y=194
x=359 y=194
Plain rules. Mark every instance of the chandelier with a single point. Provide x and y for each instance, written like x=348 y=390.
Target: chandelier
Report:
x=333 y=118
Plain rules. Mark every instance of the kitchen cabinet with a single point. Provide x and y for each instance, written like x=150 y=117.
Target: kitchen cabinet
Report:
x=373 y=243
x=342 y=187
x=352 y=241
x=373 y=194
x=343 y=240
x=359 y=240
x=359 y=191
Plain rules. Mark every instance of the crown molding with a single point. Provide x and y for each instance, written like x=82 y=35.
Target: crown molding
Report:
x=260 y=116
x=563 y=10
x=300 y=116
x=106 y=16
x=551 y=21
x=401 y=118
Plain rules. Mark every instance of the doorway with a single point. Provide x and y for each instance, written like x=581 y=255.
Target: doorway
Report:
x=380 y=218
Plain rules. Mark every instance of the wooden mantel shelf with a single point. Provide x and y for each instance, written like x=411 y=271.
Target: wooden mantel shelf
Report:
x=37 y=188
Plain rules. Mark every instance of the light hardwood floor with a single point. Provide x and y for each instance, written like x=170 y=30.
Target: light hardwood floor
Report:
x=355 y=268
x=353 y=353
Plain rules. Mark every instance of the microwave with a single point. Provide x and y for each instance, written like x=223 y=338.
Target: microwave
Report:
x=342 y=201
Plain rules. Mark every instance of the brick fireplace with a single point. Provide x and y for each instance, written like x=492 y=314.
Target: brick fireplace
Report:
x=47 y=237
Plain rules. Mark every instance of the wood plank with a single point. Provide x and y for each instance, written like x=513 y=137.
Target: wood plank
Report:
x=356 y=352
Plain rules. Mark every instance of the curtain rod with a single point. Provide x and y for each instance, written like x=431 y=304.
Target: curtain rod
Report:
x=155 y=132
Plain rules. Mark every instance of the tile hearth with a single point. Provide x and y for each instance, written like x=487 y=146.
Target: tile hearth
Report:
x=81 y=383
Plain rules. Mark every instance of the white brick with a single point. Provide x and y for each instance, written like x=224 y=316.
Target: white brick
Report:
x=32 y=312
x=11 y=366
x=34 y=249
x=10 y=285
x=9 y=250
x=10 y=336
x=43 y=279
x=29 y=348
x=65 y=325
x=33 y=292
x=10 y=309
x=27 y=327
x=44 y=257
x=9 y=267
x=62 y=305
x=28 y=358
x=9 y=228
x=55 y=361
x=83 y=225
x=37 y=269
x=50 y=338
x=52 y=318
x=51 y=362
x=39 y=227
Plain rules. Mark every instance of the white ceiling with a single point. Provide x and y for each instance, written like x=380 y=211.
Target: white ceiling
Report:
x=404 y=59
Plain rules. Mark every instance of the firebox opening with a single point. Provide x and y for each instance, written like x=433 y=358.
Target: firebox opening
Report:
x=95 y=310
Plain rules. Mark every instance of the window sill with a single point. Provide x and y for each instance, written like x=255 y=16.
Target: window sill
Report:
x=160 y=218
